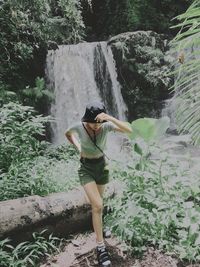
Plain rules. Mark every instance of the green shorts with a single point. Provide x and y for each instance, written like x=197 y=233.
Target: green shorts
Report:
x=94 y=170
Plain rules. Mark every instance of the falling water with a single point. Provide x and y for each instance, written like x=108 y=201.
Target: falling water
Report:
x=78 y=74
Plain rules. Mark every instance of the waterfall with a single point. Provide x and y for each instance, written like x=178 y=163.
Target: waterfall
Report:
x=79 y=74
x=169 y=110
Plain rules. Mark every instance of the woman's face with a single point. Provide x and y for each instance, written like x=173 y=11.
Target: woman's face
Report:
x=94 y=126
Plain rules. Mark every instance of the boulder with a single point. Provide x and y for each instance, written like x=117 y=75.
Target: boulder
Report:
x=143 y=61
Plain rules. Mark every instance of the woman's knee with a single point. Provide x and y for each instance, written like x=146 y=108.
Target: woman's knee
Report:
x=97 y=206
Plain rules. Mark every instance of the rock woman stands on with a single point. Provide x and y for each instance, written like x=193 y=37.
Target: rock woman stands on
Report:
x=93 y=171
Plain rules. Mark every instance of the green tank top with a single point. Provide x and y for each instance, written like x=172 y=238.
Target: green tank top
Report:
x=87 y=146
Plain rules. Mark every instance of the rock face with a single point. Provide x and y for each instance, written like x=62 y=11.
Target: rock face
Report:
x=142 y=61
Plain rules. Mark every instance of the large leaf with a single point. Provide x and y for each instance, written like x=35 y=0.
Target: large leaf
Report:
x=144 y=128
x=149 y=129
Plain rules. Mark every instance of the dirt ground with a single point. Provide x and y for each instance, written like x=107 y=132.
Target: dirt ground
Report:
x=80 y=252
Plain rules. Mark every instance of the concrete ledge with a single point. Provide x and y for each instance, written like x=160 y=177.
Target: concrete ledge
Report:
x=61 y=213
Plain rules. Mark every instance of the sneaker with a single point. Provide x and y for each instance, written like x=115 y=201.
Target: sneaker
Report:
x=103 y=257
x=106 y=233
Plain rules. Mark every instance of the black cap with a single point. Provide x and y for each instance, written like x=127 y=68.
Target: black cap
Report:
x=92 y=110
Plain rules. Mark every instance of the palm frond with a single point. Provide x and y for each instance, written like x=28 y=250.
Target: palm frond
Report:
x=187 y=81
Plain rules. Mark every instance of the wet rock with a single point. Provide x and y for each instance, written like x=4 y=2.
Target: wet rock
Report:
x=52 y=45
x=142 y=61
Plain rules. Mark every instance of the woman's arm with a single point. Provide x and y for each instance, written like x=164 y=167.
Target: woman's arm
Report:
x=121 y=125
x=72 y=139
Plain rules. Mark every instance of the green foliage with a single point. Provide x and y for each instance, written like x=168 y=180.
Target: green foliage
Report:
x=30 y=252
x=135 y=15
x=63 y=152
x=71 y=11
x=39 y=176
x=37 y=96
x=30 y=166
x=6 y=95
x=25 y=29
x=159 y=206
x=18 y=134
x=145 y=132
x=186 y=86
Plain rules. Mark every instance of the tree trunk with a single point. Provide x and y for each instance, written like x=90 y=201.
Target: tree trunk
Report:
x=61 y=213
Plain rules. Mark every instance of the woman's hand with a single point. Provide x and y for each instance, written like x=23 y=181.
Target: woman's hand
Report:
x=103 y=117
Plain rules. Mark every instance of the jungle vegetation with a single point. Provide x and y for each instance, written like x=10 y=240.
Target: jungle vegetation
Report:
x=166 y=202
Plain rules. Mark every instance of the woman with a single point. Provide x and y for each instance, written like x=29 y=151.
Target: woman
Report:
x=93 y=171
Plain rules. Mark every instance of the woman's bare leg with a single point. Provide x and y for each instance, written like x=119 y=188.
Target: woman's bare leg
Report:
x=96 y=202
x=101 y=189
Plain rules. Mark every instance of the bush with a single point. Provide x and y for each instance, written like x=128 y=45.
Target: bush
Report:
x=20 y=128
x=38 y=97
x=6 y=95
x=40 y=176
x=30 y=166
x=159 y=206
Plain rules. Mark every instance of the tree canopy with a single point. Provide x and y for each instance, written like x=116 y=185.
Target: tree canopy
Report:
x=26 y=27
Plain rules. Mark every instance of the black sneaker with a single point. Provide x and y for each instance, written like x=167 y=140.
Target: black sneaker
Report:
x=103 y=257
